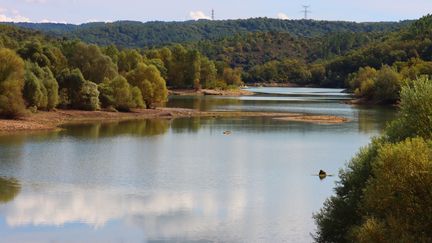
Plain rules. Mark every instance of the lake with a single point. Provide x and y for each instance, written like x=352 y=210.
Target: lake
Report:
x=183 y=180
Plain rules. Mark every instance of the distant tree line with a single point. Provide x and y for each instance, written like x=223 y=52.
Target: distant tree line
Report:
x=132 y=34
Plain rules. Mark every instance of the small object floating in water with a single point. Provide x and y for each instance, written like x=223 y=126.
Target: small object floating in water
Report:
x=227 y=132
x=322 y=174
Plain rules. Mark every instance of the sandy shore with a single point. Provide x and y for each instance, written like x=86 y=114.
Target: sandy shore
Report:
x=235 y=92
x=53 y=119
x=315 y=119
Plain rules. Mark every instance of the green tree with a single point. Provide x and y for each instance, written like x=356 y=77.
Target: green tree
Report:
x=128 y=60
x=396 y=204
x=112 y=52
x=387 y=85
x=150 y=82
x=177 y=67
x=94 y=65
x=119 y=94
x=70 y=83
x=363 y=82
x=208 y=72
x=41 y=88
x=296 y=71
x=76 y=92
x=51 y=87
x=34 y=91
x=88 y=98
x=232 y=76
x=318 y=73
x=415 y=115
x=194 y=69
x=11 y=84
x=33 y=51
x=159 y=64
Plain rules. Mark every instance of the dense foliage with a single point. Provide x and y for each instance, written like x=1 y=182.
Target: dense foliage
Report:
x=384 y=193
x=41 y=73
x=266 y=50
x=11 y=83
x=367 y=58
x=156 y=34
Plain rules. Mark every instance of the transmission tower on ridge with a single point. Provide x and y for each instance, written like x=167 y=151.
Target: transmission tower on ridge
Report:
x=212 y=16
x=306 y=11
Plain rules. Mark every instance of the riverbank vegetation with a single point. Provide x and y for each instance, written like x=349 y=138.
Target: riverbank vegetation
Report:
x=384 y=192
x=42 y=73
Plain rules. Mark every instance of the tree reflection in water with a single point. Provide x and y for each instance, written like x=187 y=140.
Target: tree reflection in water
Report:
x=111 y=129
x=9 y=189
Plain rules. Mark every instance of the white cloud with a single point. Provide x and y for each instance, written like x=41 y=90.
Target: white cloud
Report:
x=16 y=18
x=282 y=16
x=198 y=15
x=36 y=1
x=52 y=21
x=98 y=20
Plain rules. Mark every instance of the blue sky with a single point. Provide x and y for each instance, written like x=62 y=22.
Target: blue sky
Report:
x=80 y=11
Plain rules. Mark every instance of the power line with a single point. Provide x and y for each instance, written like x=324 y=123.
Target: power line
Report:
x=306 y=11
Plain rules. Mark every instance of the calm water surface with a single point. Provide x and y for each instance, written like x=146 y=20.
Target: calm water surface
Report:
x=182 y=180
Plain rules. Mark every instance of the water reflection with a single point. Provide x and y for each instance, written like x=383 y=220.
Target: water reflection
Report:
x=95 y=207
x=372 y=119
x=112 y=129
x=161 y=215
x=9 y=189
x=179 y=180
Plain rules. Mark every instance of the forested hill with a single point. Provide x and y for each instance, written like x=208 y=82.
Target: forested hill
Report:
x=152 y=34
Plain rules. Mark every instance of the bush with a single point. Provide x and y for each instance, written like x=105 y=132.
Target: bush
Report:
x=415 y=115
x=382 y=86
x=387 y=85
x=397 y=198
x=88 y=97
x=363 y=82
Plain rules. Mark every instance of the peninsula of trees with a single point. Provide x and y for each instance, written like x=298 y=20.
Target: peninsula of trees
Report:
x=42 y=73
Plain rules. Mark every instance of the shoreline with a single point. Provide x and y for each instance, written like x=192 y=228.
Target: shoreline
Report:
x=52 y=120
x=234 y=92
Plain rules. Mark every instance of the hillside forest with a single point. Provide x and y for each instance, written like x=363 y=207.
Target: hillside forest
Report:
x=59 y=66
